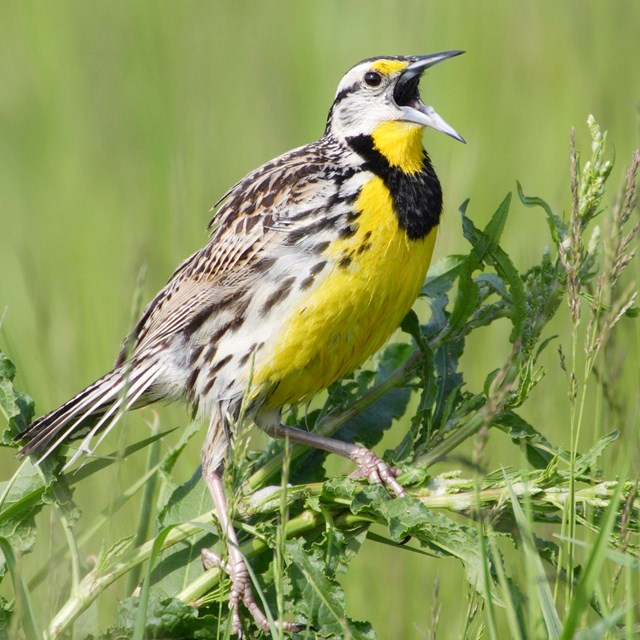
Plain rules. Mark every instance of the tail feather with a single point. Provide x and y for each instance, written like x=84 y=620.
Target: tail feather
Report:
x=98 y=407
x=134 y=391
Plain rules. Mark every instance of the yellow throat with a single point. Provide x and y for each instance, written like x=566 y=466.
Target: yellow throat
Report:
x=376 y=276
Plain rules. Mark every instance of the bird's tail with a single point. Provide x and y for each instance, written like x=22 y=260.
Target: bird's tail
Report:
x=96 y=408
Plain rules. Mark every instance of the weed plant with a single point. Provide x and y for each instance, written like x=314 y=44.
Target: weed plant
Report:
x=549 y=550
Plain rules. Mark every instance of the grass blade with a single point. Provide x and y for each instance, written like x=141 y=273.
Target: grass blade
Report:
x=23 y=598
x=585 y=586
x=541 y=584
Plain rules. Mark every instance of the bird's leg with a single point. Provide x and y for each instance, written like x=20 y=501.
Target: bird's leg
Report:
x=236 y=567
x=369 y=464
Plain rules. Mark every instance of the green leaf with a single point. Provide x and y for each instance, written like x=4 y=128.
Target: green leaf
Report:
x=368 y=427
x=411 y=325
x=112 y=555
x=166 y=619
x=24 y=603
x=142 y=619
x=7 y=368
x=467 y=298
x=538 y=449
x=75 y=476
x=188 y=501
x=319 y=599
x=586 y=463
x=180 y=564
x=487 y=250
x=6 y=613
x=8 y=401
x=409 y=517
x=490 y=237
x=21 y=498
x=442 y=275
x=544 y=290
x=16 y=407
x=167 y=464
x=556 y=226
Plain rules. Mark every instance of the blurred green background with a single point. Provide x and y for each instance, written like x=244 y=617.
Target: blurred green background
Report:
x=121 y=122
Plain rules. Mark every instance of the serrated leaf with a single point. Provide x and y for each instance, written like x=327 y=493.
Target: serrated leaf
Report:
x=467 y=298
x=21 y=498
x=7 y=368
x=442 y=275
x=492 y=232
x=556 y=226
x=544 y=292
x=538 y=449
x=486 y=249
x=368 y=426
x=166 y=618
x=319 y=599
x=586 y=462
x=17 y=407
x=8 y=399
x=407 y=516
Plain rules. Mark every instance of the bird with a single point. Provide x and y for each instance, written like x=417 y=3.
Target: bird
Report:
x=312 y=261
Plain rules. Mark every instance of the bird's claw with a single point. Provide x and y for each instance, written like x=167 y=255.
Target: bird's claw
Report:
x=241 y=592
x=376 y=470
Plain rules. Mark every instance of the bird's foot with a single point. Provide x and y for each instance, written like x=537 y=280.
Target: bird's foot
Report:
x=241 y=592
x=376 y=470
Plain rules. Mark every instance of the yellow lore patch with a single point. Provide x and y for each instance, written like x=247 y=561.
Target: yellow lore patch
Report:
x=353 y=310
x=389 y=66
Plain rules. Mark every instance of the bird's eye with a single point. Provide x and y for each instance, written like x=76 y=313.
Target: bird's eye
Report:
x=372 y=78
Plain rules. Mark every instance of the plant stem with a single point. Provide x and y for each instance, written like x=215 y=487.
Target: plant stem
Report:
x=146 y=506
x=449 y=496
x=101 y=577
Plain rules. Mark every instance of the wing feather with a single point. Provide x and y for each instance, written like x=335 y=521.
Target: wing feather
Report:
x=289 y=193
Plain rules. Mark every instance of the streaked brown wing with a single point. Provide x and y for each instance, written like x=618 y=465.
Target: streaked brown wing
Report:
x=269 y=208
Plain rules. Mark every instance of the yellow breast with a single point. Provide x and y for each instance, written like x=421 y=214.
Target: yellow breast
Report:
x=376 y=277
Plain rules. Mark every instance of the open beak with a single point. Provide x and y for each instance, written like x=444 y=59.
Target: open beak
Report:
x=407 y=96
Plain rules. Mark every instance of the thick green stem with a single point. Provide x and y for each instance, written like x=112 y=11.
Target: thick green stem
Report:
x=306 y=522
x=101 y=577
x=455 y=495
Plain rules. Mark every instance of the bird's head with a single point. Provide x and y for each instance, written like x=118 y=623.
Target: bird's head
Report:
x=382 y=90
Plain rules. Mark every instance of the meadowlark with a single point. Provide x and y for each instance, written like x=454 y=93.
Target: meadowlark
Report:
x=313 y=260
